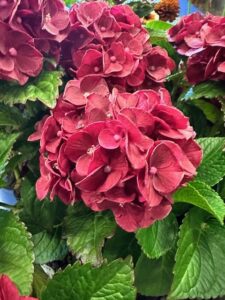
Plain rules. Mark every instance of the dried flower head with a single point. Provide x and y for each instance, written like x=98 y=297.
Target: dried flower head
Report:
x=167 y=10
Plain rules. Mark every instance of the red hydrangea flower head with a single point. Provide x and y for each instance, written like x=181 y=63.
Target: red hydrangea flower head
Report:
x=115 y=151
x=110 y=42
x=9 y=291
x=111 y=141
x=201 y=38
x=19 y=59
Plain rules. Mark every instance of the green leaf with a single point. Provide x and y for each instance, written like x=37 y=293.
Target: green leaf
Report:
x=200 y=259
x=212 y=168
x=70 y=2
x=38 y=215
x=43 y=88
x=121 y=245
x=7 y=141
x=208 y=90
x=153 y=277
x=86 y=232
x=212 y=113
x=159 y=238
x=10 y=116
x=201 y=195
x=109 y=282
x=49 y=247
x=40 y=281
x=158 y=25
x=16 y=259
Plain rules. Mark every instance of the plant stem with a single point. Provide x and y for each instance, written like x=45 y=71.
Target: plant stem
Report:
x=189 y=7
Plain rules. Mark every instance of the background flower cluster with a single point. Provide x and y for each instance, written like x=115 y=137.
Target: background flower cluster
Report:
x=30 y=31
x=201 y=39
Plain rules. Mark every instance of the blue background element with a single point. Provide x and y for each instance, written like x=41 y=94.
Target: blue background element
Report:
x=7 y=197
x=184 y=8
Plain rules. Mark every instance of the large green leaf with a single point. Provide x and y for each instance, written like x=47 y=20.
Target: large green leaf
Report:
x=16 y=251
x=208 y=90
x=6 y=144
x=212 y=113
x=10 y=116
x=121 y=245
x=203 y=196
x=153 y=277
x=212 y=168
x=86 y=232
x=158 y=26
x=44 y=88
x=38 y=215
x=200 y=259
x=82 y=282
x=160 y=237
x=49 y=247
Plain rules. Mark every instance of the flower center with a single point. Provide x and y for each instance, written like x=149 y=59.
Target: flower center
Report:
x=3 y=3
x=153 y=171
x=121 y=184
x=117 y=137
x=19 y=20
x=91 y=150
x=47 y=18
x=107 y=169
x=103 y=29
x=80 y=125
x=86 y=94
x=113 y=59
x=55 y=166
x=96 y=69
x=12 y=52
x=109 y=115
x=59 y=133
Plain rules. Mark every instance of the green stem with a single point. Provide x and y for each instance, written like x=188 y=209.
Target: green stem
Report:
x=223 y=11
x=189 y=7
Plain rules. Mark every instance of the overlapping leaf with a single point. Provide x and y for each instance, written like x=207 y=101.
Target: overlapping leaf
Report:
x=109 y=282
x=201 y=195
x=160 y=237
x=153 y=277
x=86 y=232
x=200 y=259
x=212 y=168
x=44 y=88
x=16 y=248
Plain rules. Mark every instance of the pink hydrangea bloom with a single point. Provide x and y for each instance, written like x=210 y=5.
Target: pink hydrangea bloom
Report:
x=114 y=136
x=127 y=152
x=9 y=291
x=110 y=42
x=19 y=59
x=201 y=38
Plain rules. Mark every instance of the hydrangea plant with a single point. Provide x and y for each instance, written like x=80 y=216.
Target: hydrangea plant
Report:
x=112 y=139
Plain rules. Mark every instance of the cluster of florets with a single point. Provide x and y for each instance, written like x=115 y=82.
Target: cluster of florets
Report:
x=201 y=38
x=127 y=152
x=30 y=30
x=9 y=291
x=110 y=42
